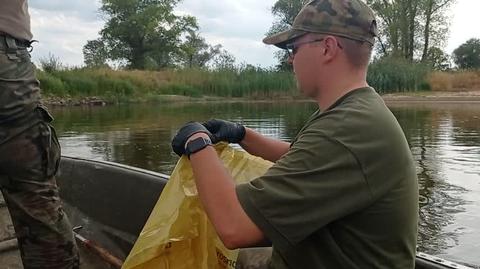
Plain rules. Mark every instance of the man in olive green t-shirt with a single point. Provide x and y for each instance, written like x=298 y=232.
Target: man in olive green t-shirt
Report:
x=343 y=193
x=29 y=151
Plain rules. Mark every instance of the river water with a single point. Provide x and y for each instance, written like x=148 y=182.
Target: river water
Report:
x=444 y=138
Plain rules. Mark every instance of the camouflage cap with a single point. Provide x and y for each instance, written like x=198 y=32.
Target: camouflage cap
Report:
x=346 y=18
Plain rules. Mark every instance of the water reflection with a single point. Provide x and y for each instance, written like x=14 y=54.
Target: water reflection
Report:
x=445 y=141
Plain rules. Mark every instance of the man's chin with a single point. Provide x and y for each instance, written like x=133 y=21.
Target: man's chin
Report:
x=302 y=90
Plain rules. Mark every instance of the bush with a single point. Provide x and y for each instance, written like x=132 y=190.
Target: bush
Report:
x=51 y=63
x=115 y=87
x=51 y=85
x=398 y=75
x=467 y=56
x=79 y=85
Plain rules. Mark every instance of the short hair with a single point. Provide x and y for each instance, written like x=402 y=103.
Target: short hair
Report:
x=358 y=52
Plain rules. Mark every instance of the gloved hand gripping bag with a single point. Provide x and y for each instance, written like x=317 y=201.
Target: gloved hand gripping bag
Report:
x=178 y=234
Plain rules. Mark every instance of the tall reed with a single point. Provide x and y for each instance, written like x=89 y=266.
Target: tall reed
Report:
x=389 y=75
x=386 y=75
x=241 y=82
x=455 y=81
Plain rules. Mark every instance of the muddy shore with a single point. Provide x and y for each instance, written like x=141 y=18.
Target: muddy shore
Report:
x=417 y=97
x=428 y=97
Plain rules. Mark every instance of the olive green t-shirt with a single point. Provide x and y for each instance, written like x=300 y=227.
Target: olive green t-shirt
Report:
x=344 y=196
x=14 y=19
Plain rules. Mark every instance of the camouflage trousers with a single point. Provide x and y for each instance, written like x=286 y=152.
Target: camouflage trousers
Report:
x=28 y=164
x=29 y=158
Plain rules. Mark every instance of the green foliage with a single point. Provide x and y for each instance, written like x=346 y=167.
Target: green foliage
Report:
x=50 y=84
x=411 y=27
x=243 y=81
x=115 y=87
x=389 y=75
x=95 y=54
x=85 y=83
x=195 y=52
x=51 y=63
x=386 y=75
x=467 y=56
x=76 y=84
x=181 y=89
x=224 y=61
x=249 y=81
x=438 y=59
x=284 y=12
x=283 y=61
x=144 y=33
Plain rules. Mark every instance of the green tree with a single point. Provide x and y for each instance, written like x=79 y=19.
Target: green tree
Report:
x=284 y=12
x=409 y=28
x=467 y=56
x=144 y=33
x=438 y=59
x=196 y=52
x=436 y=24
x=95 y=53
x=224 y=61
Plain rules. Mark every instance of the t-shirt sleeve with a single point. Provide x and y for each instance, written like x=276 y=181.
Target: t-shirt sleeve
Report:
x=317 y=182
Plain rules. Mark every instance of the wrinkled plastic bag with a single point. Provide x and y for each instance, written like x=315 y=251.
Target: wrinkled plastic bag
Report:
x=178 y=234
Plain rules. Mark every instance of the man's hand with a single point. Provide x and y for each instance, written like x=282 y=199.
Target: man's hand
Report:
x=183 y=135
x=225 y=131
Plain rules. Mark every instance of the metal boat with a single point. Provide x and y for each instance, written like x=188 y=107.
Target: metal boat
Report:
x=109 y=203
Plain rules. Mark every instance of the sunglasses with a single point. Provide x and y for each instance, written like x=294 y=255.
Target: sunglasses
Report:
x=292 y=48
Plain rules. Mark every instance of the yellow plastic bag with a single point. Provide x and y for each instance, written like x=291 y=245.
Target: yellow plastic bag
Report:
x=178 y=234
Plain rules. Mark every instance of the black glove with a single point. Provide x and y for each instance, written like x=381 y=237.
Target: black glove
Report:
x=225 y=131
x=189 y=129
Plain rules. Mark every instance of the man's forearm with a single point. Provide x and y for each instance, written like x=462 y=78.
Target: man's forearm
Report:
x=216 y=189
x=261 y=146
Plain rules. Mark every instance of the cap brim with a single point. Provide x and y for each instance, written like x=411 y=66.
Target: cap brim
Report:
x=283 y=38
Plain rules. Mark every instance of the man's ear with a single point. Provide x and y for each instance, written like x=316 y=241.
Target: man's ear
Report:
x=331 y=48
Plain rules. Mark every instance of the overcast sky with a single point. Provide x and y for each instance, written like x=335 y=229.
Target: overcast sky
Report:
x=64 y=26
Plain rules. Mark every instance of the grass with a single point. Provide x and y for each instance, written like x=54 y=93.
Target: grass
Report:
x=454 y=81
x=116 y=85
x=386 y=75
x=391 y=75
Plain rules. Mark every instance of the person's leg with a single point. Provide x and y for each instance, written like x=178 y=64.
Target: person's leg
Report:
x=29 y=162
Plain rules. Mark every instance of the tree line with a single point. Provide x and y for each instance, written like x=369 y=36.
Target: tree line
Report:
x=409 y=30
x=147 y=34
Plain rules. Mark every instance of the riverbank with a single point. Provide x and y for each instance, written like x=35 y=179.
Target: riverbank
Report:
x=414 y=97
x=436 y=97
x=98 y=87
